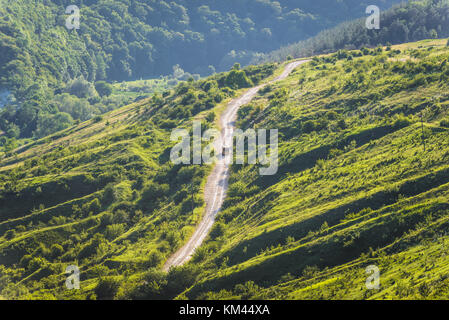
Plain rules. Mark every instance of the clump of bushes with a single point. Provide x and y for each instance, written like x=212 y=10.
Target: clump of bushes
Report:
x=444 y=123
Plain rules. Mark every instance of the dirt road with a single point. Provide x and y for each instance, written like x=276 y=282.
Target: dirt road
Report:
x=217 y=182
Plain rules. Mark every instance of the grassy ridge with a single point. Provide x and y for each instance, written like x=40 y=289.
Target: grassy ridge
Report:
x=363 y=180
x=103 y=195
x=355 y=186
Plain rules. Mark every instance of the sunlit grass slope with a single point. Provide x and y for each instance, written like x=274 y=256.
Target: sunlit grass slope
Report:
x=361 y=181
x=104 y=195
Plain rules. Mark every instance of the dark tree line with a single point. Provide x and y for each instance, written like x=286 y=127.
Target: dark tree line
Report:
x=403 y=23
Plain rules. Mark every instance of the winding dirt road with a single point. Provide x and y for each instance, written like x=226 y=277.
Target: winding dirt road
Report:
x=217 y=182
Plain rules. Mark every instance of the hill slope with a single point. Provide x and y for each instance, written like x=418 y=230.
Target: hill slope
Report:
x=361 y=181
x=127 y=40
x=104 y=195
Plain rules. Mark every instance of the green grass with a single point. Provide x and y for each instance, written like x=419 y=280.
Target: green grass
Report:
x=343 y=196
x=103 y=195
x=356 y=187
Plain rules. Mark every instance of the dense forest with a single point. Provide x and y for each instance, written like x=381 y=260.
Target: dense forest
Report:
x=411 y=21
x=128 y=40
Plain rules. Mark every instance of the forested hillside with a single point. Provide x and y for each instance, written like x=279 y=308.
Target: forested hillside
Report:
x=363 y=180
x=408 y=21
x=128 y=40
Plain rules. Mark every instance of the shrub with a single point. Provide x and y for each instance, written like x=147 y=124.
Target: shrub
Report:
x=444 y=123
x=107 y=288
x=95 y=206
x=115 y=230
x=154 y=259
x=210 y=117
x=314 y=125
x=211 y=84
x=218 y=230
x=310 y=271
x=106 y=219
x=37 y=263
x=91 y=247
x=401 y=122
x=200 y=254
x=342 y=124
x=331 y=115
x=237 y=79
x=181 y=278
x=247 y=290
x=24 y=262
x=81 y=88
x=98 y=118
x=153 y=286
x=120 y=216
x=103 y=88
x=153 y=194
x=56 y=250
x=10 y=234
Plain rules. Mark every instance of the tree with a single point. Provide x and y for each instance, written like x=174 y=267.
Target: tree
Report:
x=237 y=79
x=81 y=88
x=95 y=206
x=56 y=250
x=103 y=88
x=48 y=123
x=152 y=194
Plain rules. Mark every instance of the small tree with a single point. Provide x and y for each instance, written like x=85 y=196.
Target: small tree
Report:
x=444 y=123
x=103 y=88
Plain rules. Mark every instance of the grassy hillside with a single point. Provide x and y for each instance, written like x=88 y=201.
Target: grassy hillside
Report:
x=363 y=180
x=104 y=196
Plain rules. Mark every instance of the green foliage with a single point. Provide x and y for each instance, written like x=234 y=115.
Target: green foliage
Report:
x=399 y=24
x=127 y=40
x=114 y=230
x=353 y=175
x=103 y=88
x=152 y=193
x=218 y=230
x=81 y=88
x=237 y=79
x=56 y=250
x=107 y=288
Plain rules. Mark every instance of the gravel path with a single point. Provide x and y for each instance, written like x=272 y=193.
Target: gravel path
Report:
x=217 y=182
